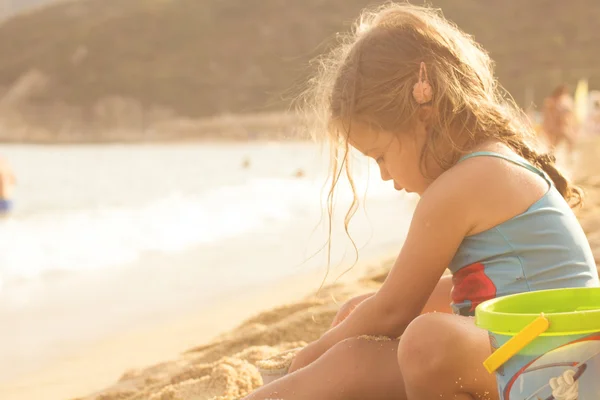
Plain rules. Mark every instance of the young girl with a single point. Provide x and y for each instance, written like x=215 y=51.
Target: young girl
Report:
x=417 y=95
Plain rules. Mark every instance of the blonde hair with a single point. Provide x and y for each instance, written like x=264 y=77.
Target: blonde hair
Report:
x=369 y=77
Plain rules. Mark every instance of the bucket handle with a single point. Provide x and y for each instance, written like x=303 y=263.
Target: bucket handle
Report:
x=516 y=343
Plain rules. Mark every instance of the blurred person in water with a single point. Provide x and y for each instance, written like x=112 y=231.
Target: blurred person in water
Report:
x=559 y=123
x=7 y=185
x=593 y=122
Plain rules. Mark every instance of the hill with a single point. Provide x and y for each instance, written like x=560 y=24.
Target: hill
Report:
x=199 y=58
x=12 y=7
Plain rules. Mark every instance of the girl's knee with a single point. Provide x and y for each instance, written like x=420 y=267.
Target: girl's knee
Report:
x=427 y=348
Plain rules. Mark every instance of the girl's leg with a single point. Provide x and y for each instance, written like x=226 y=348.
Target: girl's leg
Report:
x=353 y=369
x=441 y=356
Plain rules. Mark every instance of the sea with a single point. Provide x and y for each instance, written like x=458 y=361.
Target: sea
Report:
x=140 y=232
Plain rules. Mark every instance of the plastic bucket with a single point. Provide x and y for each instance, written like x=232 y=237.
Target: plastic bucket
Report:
x=545 y=344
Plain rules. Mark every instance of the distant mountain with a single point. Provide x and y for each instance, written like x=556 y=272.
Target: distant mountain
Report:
x=205 y=57
x=12 y=7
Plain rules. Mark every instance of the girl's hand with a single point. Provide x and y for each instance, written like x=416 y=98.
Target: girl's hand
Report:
x=314 y=350
x=306 y=356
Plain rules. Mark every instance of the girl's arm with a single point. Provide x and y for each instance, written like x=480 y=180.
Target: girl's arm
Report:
x=442 y=219
x=348 y=307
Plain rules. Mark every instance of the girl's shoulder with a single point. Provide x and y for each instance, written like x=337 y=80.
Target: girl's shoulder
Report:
x=491 y=188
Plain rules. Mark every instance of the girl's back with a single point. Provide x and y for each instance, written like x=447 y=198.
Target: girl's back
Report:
x=543 y=247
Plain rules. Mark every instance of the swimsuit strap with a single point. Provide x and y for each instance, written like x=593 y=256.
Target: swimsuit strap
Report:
x=515 y=160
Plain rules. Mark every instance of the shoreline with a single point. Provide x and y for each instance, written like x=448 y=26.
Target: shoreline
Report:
x=211 y=353
x=53 y=322
x=88 y=369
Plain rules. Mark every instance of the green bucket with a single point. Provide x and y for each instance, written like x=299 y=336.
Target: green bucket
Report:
x=548 y=342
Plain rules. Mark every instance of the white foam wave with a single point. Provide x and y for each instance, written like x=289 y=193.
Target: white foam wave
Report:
x=88 y=239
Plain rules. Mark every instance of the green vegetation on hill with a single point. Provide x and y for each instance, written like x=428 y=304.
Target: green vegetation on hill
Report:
x=205 y=57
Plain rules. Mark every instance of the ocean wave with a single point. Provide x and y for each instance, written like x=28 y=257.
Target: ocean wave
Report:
x=76 y=240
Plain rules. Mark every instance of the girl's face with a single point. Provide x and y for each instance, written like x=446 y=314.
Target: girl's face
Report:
x=398 y=155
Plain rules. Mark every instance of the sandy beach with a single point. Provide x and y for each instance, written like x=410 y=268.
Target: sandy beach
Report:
x=193 y=359
x=225 y=367
x=192 y=345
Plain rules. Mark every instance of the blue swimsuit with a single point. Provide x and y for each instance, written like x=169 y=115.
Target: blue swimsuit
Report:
x=542 y=248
